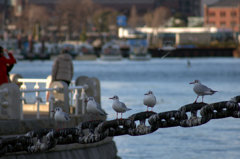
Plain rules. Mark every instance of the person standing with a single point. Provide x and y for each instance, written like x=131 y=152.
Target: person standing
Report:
x=62 y=69
x=4 y=64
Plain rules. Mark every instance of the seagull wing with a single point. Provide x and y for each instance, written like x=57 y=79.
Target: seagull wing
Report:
x=66 y=116
x=101 y=111
x=123 y=105
x=201 y=89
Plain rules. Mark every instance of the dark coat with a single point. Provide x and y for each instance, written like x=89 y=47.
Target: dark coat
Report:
x=62 y=68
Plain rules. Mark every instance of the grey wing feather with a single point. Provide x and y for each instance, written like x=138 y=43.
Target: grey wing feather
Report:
x=202 y=88
x=124 y=106
x=66 y=116
x=101 y=110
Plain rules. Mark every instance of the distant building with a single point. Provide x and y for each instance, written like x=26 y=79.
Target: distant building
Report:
x=124 y=6
x=180 y=35
x=195 y=21
x=224 y=14
x=185 y=7
x=206 y=2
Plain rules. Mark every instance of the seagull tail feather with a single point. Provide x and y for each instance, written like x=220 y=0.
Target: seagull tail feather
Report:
x=102 y=112
x=213 y=91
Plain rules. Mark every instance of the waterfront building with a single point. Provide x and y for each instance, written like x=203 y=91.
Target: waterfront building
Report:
x=224 y=14
x=180 y=35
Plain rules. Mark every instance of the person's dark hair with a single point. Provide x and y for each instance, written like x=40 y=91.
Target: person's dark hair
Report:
x=65 y=51
x=1 y=49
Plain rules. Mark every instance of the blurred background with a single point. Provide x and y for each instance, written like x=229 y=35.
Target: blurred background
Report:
x=37 y=29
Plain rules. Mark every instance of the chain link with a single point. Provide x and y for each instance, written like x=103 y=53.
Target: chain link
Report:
x=190 y=115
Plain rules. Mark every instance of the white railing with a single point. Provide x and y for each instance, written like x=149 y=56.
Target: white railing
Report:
x=38 y=99
x=36 y=81
x=3 y=100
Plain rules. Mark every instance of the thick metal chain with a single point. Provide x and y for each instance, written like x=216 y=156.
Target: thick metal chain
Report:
x=190 y=115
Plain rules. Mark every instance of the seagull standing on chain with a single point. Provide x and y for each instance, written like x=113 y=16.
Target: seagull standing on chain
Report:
x=149 y=100
x=94 y=108
x=201 y=90
x=118 y=106
x=60 y=115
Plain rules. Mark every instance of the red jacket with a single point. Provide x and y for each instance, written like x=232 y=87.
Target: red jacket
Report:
x=3 y=68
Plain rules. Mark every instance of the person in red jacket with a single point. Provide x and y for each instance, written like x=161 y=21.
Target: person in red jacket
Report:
x=3 y=65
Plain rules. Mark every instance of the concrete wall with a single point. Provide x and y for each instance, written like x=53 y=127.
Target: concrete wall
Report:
x=105 y=150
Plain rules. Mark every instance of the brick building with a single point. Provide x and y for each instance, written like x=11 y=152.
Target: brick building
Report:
x=224 y=14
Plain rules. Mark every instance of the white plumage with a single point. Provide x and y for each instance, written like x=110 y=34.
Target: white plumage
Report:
x=94 y=108
x=201 y=90
x=60 y=115
x=118 y=106
x=149 y=99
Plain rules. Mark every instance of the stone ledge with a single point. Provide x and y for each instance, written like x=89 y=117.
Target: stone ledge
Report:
x=105 y=149
x=15 y=126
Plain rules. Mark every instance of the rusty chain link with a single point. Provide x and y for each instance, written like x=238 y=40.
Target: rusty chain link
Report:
x=190 y=115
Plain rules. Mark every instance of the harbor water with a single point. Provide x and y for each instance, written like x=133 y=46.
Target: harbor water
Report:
x=169 y=80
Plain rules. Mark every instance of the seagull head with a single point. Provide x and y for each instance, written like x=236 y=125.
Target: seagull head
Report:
x=195 y=81
x=90 y=99
x=149 y=92
x=57 y=109
x=114 y=98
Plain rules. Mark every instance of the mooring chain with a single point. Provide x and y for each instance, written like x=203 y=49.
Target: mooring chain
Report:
x=142 y=128
x=142 y=123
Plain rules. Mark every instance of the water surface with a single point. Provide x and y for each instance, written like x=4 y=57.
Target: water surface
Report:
x=169 y=80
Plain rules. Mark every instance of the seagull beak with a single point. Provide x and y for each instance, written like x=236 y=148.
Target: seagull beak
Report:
x=85 y=100
x=53 y=111
x=146 y=94
x=111 y=98
x=192 y=82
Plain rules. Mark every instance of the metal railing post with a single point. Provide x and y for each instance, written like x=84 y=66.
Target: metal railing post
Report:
x=23 y=101
x=38 y=100
x=83 y=96
x=76 y=97
x=51 y=101
x=23 y=86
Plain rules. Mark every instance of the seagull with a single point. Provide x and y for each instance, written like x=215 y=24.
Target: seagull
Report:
x=201 y=90
x=93 y=107
x=149 y=99
x=118 y=106
x=60 y=115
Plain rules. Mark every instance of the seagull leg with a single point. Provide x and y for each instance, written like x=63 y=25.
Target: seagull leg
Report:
x=152 y=109
x=147 y=108
x=117 y=115
x=202 y=99
x=196 y=99
x=121 y=115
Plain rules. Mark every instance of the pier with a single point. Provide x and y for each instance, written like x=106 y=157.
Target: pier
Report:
x=25 y=108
